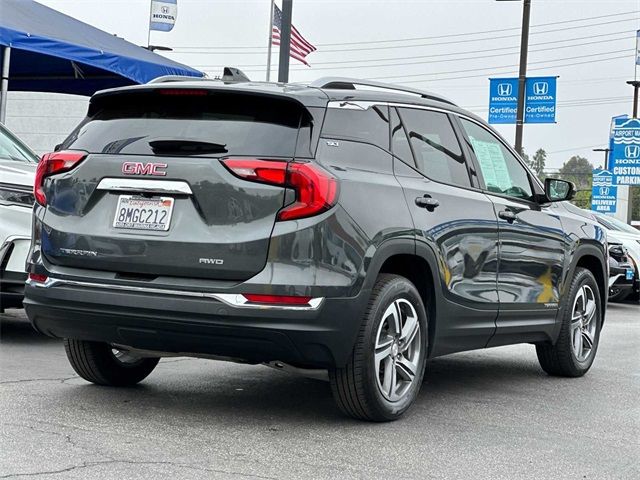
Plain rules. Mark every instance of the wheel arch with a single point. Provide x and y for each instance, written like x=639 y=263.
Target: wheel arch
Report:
x=593 y=259
x=418 y=265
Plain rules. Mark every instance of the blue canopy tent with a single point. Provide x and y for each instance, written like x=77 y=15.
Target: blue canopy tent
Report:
x=43 y=50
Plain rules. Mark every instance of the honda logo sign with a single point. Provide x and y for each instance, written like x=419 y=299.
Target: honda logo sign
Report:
x=540 y=88
x=632 y=151
x=505 y=89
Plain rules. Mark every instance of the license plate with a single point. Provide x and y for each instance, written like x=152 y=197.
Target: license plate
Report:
x=629 y=274
x=141 y=213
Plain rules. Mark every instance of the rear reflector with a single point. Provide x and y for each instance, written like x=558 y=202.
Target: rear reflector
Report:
x=37 y=277
x=52 y=163
x=276 y=299
x=316 y=189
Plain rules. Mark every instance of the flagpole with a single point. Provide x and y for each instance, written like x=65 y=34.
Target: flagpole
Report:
x=270 y=38
x=149 y=20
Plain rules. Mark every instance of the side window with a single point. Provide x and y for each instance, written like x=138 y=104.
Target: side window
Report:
x=502 y=171
x=435 y=147
x=370 y=125
x=399 y=141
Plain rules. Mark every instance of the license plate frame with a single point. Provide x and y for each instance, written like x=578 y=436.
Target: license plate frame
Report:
x=139 y=208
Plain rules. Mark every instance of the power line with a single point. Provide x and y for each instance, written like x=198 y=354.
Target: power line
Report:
x=446 y=60
x=452 y=42
x=475 y=33
x=577 y=20
x=572 y=101
x=491 y=73
x=578 y=105
x=444 y=54
x=591 y=55
x=574 y=149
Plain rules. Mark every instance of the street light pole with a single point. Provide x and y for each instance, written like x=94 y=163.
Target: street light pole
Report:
x=606 y=156
x=522 y=76
x=285 y=41
x=635 y=84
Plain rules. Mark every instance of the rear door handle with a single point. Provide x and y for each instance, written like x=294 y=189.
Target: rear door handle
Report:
x=507 y=215
x=427 y=202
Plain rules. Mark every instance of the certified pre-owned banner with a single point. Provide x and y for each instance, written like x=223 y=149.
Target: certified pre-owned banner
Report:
x=163 y=15
x=540 y=103
x=503 y=100
x=540 y=100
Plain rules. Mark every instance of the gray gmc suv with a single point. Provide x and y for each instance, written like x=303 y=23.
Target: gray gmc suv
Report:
x=343 y=225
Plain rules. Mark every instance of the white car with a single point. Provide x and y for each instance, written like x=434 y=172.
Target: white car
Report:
x=629 y=237
x=17 y=170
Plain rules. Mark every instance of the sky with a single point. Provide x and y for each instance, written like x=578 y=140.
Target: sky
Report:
x=450 y=47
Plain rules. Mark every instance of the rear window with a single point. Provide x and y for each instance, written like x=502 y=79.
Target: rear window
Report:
x=216 y=124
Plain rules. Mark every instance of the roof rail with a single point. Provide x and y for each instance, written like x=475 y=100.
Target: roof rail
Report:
x=345 y=83
x=175 y=78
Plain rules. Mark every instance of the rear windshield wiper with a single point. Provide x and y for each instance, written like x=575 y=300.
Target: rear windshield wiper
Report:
x=185 y=147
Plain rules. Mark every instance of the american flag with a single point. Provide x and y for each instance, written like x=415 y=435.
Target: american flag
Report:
x=300 y=48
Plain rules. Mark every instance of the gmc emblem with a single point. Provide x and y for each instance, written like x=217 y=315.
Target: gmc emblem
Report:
x=139 y=168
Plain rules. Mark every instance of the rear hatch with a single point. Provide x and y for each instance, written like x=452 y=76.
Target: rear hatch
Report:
x=152 y=197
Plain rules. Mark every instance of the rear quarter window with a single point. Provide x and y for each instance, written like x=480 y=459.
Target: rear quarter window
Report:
x=369 y=126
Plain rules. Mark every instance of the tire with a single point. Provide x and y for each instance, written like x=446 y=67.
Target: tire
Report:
x=616 y=294
x=368 y=390
x=563 y=359
x=97 y=362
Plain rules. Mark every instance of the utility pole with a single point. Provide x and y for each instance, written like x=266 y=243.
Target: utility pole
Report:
x=522 y=76
x=285 y=41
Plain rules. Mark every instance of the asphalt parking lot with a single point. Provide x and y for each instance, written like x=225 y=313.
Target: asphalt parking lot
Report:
x=484 y=414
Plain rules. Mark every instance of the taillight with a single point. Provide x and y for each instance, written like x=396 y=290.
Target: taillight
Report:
x=316 y=190
x=52 y=163
x=276 y=299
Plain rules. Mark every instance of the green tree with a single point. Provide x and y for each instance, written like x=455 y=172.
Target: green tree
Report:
x=538 y=162
x=577 y=170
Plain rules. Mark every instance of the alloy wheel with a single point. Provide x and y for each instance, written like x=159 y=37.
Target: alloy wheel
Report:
x=583 y=323
x=397 y=350
x=125 y=357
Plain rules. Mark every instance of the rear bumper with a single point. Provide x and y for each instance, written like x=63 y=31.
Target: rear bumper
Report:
x=194 y=324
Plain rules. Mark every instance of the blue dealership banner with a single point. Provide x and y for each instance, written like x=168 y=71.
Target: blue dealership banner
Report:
x=503 y=100
x=540 y=103
x=624 y=162
x=604 y=193
x=540 y=100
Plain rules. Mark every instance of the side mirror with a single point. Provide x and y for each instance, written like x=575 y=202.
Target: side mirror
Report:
x=558 y=190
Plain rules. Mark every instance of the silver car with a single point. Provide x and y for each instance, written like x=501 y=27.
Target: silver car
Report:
x=17 y=169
